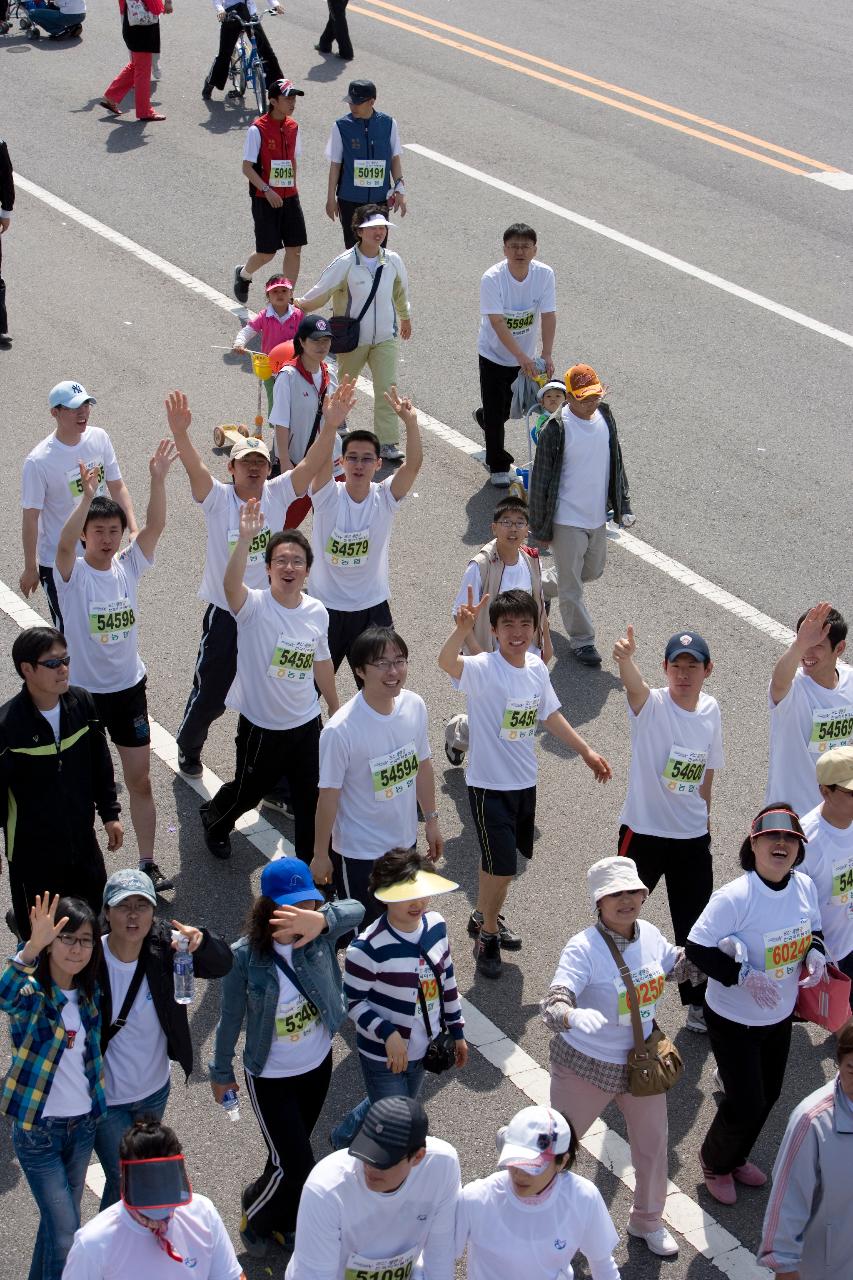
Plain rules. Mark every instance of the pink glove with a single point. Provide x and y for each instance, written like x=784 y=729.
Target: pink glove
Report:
x=763 y=990
x=815 y=964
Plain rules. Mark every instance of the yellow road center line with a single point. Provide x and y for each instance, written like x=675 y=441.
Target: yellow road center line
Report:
x=602 y=84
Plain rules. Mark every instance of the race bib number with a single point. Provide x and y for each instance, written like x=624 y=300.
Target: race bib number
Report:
x=831 y=728
x=399 y=1267
x=429 y=987
x=281 y=173
x=649 y=982
x=785 y=949
x=257 y=547
x=111 y=621
x=842 y=884
x=347 y=550
x=519 y=322
x=292 y=659
x=296 y=1020
x=393 y=775
x=684 y=770
x=520 y=716
x=75 y=484
x=368 y=173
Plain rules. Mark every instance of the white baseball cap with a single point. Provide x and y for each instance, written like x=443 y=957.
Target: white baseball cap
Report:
x=533 y=1137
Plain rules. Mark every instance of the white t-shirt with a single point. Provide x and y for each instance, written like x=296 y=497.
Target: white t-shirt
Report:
x=252 y=144
x=343 y=1227
x=221 y=510
x=294 y=406
x=373 y=761
x=509 y=1237
x=419 y=1040
x=52 y=718
x=504 y=705
x=807 y=722
x=300 y=1042
x=335 y=146
x=136 y=1063
x=520 y=302
x=588 y=969
x=829 y=862
x=670 y=750
x=350 y=544
x=515 y=577
x=584 y=475
x=51 y=482
x=69 y=1093
x=112 y=1246
x=100 y=613
x=775 y=926
x=276 y=651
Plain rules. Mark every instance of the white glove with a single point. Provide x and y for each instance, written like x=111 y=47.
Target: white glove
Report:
x=816 y=968
x=763 y=990
x=587 y=1020
x=732 y=946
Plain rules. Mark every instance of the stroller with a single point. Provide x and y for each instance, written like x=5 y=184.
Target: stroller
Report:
x=33 y=18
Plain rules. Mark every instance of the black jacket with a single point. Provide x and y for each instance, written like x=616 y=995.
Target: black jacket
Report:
x=212 y=960
x=49 y=793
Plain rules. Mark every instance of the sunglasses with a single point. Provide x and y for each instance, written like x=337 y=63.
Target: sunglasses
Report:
x=53 y=664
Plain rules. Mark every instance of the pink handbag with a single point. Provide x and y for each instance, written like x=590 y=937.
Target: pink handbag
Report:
x=828 y=1003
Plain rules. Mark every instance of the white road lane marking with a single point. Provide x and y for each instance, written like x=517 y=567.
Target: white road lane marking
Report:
x=681 y=1212
x=840 y=181
x=639 y=246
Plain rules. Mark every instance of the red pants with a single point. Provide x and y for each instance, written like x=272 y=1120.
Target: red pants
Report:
x=137 y=76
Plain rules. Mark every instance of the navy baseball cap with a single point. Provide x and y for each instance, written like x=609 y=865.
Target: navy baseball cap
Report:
x=687 y=642
x=313 y=327
x=287 y=881
x=392 y=1128
x=360 y=91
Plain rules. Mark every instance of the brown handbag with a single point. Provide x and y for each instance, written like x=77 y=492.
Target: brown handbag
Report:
x=654 y=1064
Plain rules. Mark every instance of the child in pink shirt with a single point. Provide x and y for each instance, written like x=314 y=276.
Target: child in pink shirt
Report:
x=277 y=323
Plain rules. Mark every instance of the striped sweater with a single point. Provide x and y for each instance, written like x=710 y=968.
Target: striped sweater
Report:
x=381 y=982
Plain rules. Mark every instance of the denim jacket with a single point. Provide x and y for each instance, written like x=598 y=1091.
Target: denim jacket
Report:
x=250 y=992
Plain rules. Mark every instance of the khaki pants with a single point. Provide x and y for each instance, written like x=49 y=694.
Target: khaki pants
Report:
x=579 y=557
x=382 y=362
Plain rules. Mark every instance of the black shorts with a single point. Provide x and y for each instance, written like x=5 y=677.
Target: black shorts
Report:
x=504 y=821
x=276 y=229
x=124 y=715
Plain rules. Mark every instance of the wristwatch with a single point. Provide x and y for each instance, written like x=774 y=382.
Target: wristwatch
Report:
x=433 y=813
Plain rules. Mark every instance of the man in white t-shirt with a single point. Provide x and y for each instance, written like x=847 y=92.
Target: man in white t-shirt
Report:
x=98 y=598
x=509 y=692
x=578 y=474
x=158 y=1223
x=50 y=485
x=249 y=468
x=351 y=530
x=514 y=295
x=375 y=770
x=676 y=747
x=385 y=1207
x=811 y=707
x=829 y=854
x=282 y=661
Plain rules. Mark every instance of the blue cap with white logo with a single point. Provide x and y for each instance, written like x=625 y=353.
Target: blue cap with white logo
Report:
x=69 y=395
x=287 y=881
x=687 y=642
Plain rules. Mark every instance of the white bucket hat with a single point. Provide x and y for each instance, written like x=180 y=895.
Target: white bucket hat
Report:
x=612 y=875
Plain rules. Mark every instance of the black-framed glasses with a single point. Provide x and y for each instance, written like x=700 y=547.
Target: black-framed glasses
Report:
x=76 y=944
x=512 y=524
x=53 y=664
x=389 y=664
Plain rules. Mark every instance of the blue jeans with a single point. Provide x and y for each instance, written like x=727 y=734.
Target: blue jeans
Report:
x=54 y=1157
x=380 y=1083
x=112 y=1127
x=51 y=20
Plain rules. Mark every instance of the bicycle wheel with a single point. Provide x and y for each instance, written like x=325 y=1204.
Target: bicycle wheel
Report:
x=259 y=83
x=237 y=67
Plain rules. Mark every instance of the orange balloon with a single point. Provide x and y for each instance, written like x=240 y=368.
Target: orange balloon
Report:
x=280 y=356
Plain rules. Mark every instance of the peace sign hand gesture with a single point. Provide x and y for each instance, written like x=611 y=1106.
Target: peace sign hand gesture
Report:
x=467 y=614
x=251 y=520
x=45 y=928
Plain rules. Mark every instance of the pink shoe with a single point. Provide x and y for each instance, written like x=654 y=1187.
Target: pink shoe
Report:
x=750 y=1175
x=721 y=1186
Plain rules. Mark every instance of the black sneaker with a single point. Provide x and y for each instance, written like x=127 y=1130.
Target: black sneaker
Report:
x=477 y=415
x=587 y=655
x=509 y=941
x=280 y=803
x=160 y=882
x=241 y=286
x=321 y=48
x=12 y=923
x=207 y=90
x=190 y=766
x=219 y=848
x=454 y=755
x=487 y=953
x=255 y=1245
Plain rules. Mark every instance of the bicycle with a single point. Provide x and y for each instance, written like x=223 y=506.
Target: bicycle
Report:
x=246 y=70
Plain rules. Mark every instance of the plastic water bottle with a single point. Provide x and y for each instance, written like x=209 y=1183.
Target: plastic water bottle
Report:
x=231 y=1105
x=184 y=974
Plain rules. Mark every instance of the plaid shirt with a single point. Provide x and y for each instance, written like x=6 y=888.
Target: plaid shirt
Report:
x=38 y=1040
x=548 y=465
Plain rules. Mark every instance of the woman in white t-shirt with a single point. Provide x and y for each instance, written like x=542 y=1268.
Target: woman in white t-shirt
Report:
x=587 y=1008
x=532 y=1216
x=54 y=1090
x=752 y=940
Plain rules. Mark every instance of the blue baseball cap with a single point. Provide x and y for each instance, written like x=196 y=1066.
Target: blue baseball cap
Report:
x=687 y=642
x=287 y=881
x=69 y=395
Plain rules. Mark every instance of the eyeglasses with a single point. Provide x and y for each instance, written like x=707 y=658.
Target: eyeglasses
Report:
x=389 y=664
x=363 y=458
x=53 y=664
x=282 y=562
x=76 y=944
x=512 y=524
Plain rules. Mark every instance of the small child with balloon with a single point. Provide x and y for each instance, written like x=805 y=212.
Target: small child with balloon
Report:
x=277 y=323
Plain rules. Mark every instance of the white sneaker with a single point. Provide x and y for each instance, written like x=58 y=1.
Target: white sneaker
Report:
x=155 y=67
x=391 y=453
x=660 y=1241
x=696 y=1020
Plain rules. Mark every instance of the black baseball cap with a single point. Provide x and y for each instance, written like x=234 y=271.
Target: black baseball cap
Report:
x=392 y=1128
x=687 y=642
x=284 y=89
x=313 y=327
x=360 y=91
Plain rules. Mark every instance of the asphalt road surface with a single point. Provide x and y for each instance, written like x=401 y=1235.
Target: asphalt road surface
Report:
x=686 y=171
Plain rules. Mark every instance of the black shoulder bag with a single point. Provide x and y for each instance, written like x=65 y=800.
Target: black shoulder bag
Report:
x=441 y=1050
x=127 y=1004
x=345 y=328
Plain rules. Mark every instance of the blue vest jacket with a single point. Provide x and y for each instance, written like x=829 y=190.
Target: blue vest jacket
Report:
x=365 y=140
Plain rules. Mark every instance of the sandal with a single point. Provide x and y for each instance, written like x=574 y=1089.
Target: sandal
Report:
x=110 y=106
